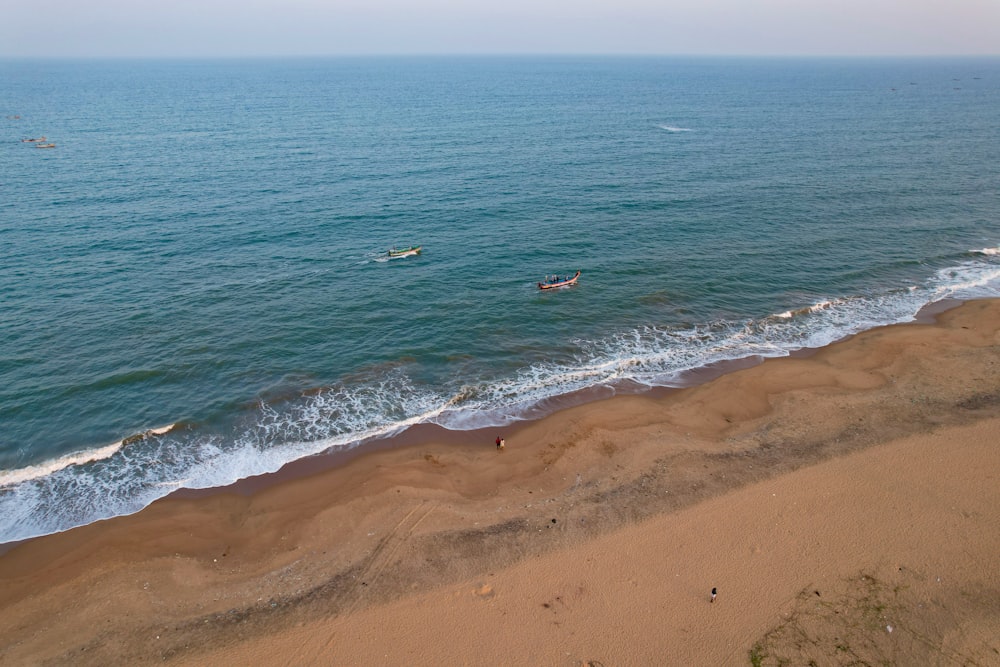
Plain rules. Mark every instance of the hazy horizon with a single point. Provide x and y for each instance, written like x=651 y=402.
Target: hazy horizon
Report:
x=295 y=28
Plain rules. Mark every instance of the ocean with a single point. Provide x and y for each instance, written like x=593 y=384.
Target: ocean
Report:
x=194 y=280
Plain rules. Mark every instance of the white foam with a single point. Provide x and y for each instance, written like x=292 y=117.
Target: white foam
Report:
x=969 y=281
x=823 y=305
x=987 y=251
x=656 y=356
x=671 y=128
x=11 y=477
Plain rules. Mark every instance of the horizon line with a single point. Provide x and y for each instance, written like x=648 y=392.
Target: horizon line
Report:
x=498 y=54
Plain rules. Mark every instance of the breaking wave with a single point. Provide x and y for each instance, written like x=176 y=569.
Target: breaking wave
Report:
x=12 y=477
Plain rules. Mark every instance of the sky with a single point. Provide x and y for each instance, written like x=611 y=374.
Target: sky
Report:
x=249 y=28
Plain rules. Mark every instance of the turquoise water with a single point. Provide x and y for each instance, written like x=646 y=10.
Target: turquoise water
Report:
x=205 y=247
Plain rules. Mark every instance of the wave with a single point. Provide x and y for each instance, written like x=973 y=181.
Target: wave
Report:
x=12 y=477
x=814 y=308
x=126 y=476
x=987 y=251
x=671 y=128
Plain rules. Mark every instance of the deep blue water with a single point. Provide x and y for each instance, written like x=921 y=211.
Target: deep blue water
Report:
x=204 y=247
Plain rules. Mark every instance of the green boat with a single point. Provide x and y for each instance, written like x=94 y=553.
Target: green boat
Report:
x=404 y=252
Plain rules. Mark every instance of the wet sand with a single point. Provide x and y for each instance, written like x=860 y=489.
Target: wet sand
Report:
x=844 y=503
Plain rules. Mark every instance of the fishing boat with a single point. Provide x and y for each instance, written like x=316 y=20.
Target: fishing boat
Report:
x=559 y=281
x=31 y=141
x=404 y=252
x=45 y=145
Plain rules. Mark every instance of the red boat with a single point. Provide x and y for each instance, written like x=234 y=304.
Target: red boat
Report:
x=558 y=281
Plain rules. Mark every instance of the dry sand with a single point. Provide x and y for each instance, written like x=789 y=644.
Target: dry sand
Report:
x=846 y=504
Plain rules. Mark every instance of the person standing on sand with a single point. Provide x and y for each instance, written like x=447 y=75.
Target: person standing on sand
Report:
x=499 y=443
x=713 y=595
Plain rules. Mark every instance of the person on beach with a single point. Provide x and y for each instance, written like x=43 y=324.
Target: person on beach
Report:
x=499 y=443
x=713 y=595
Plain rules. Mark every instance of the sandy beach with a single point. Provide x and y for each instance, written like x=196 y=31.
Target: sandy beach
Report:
x=844 y=504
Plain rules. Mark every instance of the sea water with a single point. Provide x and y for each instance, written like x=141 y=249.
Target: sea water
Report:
x=194 y=285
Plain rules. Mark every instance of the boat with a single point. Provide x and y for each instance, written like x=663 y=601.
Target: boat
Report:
x=31 y=141
x=559 y=281
x=395 y=252
x=45 y=145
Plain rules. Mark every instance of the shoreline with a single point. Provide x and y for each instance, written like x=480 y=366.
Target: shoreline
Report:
x=397 y=524
x=424 y=433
